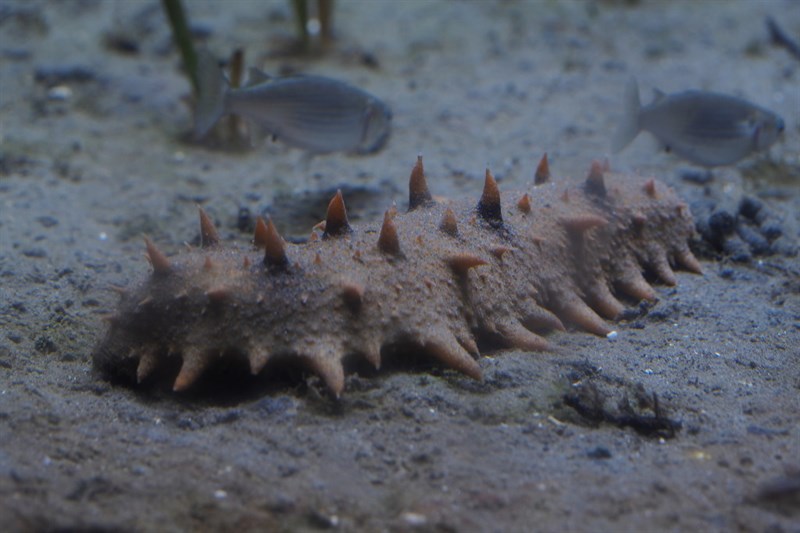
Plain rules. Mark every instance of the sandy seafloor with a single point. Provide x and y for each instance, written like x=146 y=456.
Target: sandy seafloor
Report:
x=92 y=156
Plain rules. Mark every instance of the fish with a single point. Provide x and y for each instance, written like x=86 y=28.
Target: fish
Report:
x=706 y=128
x=314 y=113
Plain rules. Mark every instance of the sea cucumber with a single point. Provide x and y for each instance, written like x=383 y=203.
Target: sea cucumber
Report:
x=506 y=269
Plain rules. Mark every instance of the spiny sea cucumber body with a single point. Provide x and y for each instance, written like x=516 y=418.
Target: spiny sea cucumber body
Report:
x=508 y=267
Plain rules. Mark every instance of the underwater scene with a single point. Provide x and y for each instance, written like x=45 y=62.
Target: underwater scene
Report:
x=417 y=265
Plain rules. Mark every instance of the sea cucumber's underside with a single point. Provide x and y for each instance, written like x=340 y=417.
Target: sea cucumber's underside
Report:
x=509 y=268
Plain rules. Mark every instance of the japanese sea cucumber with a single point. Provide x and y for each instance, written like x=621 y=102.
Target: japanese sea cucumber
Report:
x=508 y=268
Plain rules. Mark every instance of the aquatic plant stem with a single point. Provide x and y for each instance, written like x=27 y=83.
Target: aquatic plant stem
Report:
x=183 y=38
x=236 y=70
x=325 y=8
x=301 y=18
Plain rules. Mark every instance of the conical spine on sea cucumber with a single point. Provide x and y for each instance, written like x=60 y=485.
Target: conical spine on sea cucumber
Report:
x=442 y=276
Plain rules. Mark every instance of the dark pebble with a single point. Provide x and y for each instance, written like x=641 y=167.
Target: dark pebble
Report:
x=200 y=31
x=692 y=175
x=35 y=252
x=54 y=75
x=784 y=248
x=763 y=216
x=749 y=207
x=296 y=239
x=44 y=345
x=599 y=453
x=421 y=458
x=737 y=250
x=722 y=223
x=369 y=60
x=244 y=220
x=121 y=43
x=758 y=244
x=751 y=228
x=47 y=222
x=771 y=230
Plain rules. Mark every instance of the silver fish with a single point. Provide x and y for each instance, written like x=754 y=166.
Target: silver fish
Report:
x=314 y=113
x=706 y=128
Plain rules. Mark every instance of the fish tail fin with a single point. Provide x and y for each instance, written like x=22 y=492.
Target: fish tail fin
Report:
x=211 y=95
x=629 y=127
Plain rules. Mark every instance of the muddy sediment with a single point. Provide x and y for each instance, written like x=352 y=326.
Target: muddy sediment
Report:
x=687 y=419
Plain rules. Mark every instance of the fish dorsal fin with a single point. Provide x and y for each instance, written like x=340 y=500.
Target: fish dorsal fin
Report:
x=658 y=95
x=256 y=76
